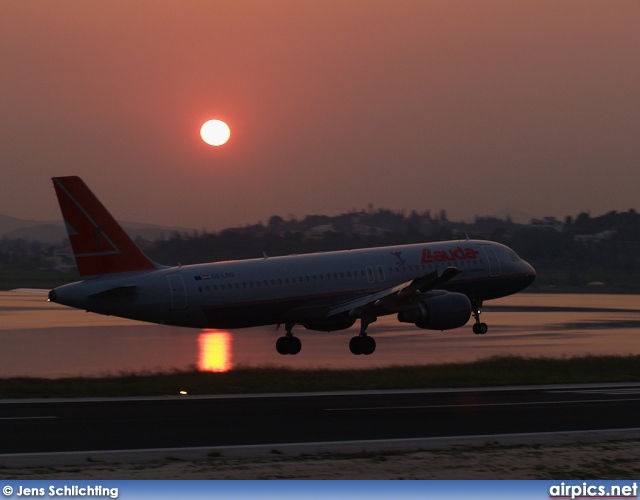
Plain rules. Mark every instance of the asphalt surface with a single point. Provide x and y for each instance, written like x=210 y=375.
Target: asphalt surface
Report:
x=196 y=421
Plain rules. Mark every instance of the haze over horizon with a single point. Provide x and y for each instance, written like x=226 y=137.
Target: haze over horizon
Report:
x=469 y=107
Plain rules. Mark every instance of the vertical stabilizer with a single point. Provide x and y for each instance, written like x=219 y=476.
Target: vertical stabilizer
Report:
x=99 y=244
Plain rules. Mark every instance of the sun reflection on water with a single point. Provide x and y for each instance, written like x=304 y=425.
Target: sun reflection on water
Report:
x=214 y=351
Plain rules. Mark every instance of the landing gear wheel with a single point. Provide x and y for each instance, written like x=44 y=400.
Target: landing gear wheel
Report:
x=362 y=345
x=480 y=328
x=288 y=345
x=369 y=345
x=356 y=345
x=282 y=345
x=294 y=345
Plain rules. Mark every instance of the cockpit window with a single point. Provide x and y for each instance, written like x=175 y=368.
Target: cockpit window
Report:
x=514 y=257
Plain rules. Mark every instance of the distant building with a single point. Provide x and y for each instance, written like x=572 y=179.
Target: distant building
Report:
x=366 y=230
x=547 y=223
x=319 y=232
x=595 y=238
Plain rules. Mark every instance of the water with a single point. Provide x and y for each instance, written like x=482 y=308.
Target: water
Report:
x=38 y=338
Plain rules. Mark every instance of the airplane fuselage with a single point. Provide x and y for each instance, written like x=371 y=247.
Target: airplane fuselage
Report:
x=273 y=290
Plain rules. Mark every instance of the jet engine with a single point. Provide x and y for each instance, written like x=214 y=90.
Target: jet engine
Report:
x=440 y=312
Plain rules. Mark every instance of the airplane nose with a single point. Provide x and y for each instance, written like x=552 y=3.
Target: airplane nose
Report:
x=53 y=296
x=529 y=271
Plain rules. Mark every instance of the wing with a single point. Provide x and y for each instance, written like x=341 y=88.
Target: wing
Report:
x=398 y=298
x=393 y=299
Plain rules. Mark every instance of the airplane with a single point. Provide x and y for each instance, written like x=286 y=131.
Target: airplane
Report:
x=435 y=286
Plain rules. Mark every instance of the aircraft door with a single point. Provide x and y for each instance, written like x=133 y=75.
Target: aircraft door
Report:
x=380 y=270
x=370 y=276
x=492 y=258
x=178 y=292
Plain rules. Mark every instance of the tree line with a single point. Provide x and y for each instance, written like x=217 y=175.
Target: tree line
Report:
x=589 y=254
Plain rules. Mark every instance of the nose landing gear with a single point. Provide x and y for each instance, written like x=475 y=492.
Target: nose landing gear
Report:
x=478 y=327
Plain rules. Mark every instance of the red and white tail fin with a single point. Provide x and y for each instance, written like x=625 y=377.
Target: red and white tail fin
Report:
x=99 y=244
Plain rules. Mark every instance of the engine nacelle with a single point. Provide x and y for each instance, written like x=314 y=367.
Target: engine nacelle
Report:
x=330 y=326
x=440 y=312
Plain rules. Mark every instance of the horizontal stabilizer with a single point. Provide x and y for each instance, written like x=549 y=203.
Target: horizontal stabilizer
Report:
x=34 y=291
x=116 y=292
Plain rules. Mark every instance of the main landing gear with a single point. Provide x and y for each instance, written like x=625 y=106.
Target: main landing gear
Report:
x=362 y=343
x=288 y=344
x=478 y=327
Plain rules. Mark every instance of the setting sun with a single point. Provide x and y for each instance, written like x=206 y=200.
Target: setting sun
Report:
x=215 y=132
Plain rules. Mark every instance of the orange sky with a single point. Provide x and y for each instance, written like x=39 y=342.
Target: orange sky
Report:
x=468 y=106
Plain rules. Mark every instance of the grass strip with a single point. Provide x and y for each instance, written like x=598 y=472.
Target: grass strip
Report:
x=494 y=371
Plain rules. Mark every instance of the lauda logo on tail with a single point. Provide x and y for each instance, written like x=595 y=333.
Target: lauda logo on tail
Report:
x=99 y=244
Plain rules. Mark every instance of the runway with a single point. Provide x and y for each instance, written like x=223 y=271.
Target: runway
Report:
x=39 y=426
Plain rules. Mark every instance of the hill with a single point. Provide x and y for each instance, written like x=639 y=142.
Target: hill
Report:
x=53 y=232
